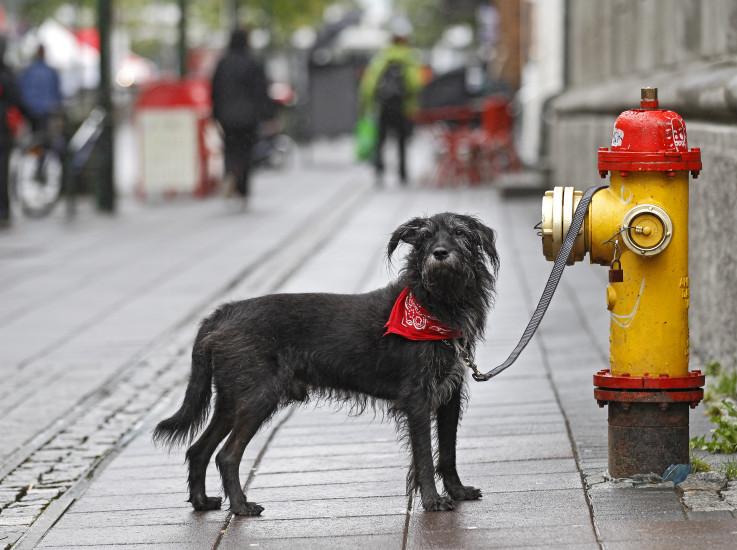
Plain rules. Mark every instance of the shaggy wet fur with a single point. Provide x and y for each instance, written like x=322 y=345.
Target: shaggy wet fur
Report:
x=265 y=353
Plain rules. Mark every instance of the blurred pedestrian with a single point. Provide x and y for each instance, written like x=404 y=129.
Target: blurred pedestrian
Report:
x=239 y=104
x=10 y=98
x=39 y=86
x=391 y=86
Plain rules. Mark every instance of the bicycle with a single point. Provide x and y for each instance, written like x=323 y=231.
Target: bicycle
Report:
x=43 y=167
x=36 y=168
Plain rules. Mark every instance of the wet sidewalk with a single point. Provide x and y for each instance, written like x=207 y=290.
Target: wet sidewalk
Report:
x=533 y=439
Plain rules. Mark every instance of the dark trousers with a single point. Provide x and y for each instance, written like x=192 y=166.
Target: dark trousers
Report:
x=239 y=144
x=4 y=184
x=391 y=121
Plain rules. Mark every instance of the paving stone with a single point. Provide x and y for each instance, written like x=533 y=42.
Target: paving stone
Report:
x=75 y=519
x=48 y=456
x=23 y=509
x=397 y=474
x=496 y=535
x=10 y=534
x=704 y=515
x=337 y=542
x=515 y=509
x=41 y=494
x=14 y=520
x=730 y=493
x=705 y=501
x=328 y=491
x=332 y=508
x=124 y=546
x=371 y=461
x=703 y=481
x=626 y=504
x=148 y=501
x=712 y=533
x=199 y=531
x=324 y=529
x=7 y=497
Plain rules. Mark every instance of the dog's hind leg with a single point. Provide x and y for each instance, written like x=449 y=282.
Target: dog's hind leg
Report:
x=248 y=420
x=447 y=418
x=199 y=454
x=419 y=424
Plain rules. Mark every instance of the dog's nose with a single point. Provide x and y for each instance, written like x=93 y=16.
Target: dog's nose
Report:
x=440 y=253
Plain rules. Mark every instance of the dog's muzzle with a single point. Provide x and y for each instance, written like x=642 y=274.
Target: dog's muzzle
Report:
x=443 y=268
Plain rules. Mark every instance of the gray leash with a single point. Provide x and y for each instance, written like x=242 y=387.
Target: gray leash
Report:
x=550 y=286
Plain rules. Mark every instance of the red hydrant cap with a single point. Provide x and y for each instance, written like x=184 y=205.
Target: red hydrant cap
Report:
x=649 y=140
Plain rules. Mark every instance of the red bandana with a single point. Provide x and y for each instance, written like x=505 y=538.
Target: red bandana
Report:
x=409 y=319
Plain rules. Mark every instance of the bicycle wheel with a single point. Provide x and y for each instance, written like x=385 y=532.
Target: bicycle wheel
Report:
x=39 y=176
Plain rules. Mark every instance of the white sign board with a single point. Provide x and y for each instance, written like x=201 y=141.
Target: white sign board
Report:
x=170 y=156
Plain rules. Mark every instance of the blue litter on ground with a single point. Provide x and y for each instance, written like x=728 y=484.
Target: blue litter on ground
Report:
x=677 y=473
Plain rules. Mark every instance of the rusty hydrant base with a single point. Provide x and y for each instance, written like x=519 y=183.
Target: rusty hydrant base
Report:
x=647 y=437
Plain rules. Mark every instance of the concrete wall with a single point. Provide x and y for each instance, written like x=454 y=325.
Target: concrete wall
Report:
x=688 y=49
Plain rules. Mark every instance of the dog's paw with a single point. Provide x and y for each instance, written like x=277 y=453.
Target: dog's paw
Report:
x=207 y=503
x=463 y=492
x=439 y=503
x=247 y=509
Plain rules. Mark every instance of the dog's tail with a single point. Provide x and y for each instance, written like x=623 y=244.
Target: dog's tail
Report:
x=186 y=422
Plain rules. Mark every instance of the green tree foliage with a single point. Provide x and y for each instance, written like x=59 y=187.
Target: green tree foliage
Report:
x=283 y=17
x=280 y=17
x=431 y=17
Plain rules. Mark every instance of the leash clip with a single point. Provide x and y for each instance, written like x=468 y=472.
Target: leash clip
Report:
x=476 y=374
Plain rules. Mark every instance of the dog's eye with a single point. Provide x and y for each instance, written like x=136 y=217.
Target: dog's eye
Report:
x=459 y=232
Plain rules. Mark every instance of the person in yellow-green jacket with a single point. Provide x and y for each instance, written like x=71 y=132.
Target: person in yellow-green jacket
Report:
x=390 y=88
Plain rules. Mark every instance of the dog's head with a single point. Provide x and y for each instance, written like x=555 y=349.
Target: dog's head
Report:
x=453 y=257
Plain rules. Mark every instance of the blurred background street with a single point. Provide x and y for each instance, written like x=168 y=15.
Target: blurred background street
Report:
x=120 y=226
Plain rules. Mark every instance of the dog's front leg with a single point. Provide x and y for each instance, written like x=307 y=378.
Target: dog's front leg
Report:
x=419 y=423
x=447 y=417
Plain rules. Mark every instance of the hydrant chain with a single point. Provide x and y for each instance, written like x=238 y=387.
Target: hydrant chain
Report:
x=613 y=238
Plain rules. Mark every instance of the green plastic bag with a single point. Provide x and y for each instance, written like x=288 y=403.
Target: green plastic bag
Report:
x=366 y=135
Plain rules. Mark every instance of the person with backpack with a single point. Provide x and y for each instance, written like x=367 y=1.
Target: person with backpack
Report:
x=390 y=87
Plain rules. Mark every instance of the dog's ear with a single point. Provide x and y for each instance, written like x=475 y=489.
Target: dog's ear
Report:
x=486 y=240
x=407 y=232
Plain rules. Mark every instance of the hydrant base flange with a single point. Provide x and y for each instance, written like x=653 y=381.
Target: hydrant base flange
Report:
x=644 y=389
x=692 y=380
x=644 y=438
x=692 y=398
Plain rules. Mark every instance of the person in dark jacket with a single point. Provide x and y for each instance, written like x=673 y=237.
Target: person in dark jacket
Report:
x=239 y=104
x=10 y=97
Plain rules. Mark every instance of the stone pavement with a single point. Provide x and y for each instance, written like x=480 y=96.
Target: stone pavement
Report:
x=96 y=322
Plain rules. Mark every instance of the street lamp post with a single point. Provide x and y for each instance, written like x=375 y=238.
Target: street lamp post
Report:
x=183 y=37
x=105 y=187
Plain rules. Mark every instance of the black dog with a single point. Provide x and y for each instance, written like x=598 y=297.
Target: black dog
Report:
x=401 y=345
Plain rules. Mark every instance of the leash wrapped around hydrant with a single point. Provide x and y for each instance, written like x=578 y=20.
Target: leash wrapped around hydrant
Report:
x=547 y=295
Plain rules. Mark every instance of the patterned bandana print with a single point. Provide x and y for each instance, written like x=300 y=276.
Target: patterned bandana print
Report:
x=410 y=320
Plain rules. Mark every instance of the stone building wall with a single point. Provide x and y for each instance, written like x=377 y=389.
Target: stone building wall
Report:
x=688 y=50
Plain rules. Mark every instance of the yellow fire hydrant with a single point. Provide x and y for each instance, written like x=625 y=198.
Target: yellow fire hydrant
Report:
x=638 y=226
